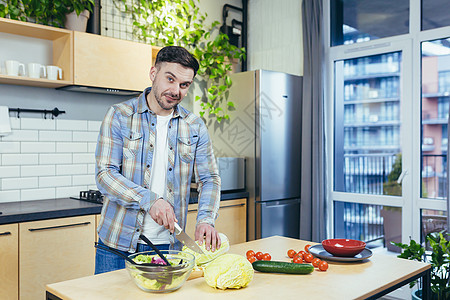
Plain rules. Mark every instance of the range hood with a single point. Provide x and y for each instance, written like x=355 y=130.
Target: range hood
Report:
x=98 y=90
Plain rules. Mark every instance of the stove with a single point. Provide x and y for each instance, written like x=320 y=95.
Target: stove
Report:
x=93 y=196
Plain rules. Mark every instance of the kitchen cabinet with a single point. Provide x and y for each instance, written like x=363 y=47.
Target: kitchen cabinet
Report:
x=232 y=220
x=9 y=261
x=54 y=250
x=111 y=63
x=60 y=51
x=86 y=59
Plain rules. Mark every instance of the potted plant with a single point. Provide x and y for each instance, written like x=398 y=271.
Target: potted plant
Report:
x=440 y=263
x=77 y=13
x=46 y=12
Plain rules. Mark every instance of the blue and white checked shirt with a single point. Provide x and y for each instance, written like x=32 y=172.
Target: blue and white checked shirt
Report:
x=124 y=157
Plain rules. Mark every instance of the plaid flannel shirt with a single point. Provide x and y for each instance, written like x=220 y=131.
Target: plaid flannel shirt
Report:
x=124 y=157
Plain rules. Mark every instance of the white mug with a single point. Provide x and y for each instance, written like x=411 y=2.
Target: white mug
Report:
x=34 y=70
x=53 y=72
x=13 y=68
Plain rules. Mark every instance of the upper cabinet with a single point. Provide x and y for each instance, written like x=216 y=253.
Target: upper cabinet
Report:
x=85 y=59
x=32 y=43
x=111 y=63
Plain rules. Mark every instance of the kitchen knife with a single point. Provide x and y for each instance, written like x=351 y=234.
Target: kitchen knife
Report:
x=186 y=240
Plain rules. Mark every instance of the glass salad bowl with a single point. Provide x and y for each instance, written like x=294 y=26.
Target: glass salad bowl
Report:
x=162 y=278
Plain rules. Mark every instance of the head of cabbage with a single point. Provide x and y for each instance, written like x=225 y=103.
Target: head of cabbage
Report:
x=230 y=271
x=207 y=256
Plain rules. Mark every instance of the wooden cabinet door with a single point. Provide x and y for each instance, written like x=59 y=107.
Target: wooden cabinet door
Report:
x=232 y=220
x=9 y=261
x=54 y=250
x=111 y=63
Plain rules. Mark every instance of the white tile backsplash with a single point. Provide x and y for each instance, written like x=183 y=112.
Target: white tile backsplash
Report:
x=74 y=125
x=84 y=136
x=10 y=147
x=15 y=123
x=19 y=159
x=55 y=136
x=19 y=183
x=94 y=126
x=38 y=124
x=71 y=191
x=71 y=147
x=36 y=194
x=71 y=169
x=9 y=171
x=9 y=196
x=83 y=179
x=55 y=158
x=22 y=135
x=46 y=158
x=38 y=147
x=54 y=181
x=39 y=170
x=79 y=158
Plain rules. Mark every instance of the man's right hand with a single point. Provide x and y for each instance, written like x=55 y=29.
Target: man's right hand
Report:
x=163 y=214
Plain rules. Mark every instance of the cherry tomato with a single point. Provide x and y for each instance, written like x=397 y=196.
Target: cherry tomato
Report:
x=308 y=257
x=267 y=256
x=307 y=248
x=316 y=262
x=323 y=266
x=259 y=255
x=300 y=255
x=291 y=253
x=250 y=253
x=297 y=260
x=302 y=252
x=251 y=259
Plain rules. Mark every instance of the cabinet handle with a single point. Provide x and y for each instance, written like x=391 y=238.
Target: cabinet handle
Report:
x=60 y=226
x=5 y=233
x=234 y=205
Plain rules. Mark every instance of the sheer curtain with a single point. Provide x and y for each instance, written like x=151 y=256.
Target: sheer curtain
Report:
x=313 y=194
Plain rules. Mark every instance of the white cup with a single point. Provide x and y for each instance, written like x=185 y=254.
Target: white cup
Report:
x=13 y=67
x=34 y=70
x=53 y=72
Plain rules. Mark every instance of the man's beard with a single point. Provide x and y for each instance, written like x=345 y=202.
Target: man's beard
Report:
x=164 y=105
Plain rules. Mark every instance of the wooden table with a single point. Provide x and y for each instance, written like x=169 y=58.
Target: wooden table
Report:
x=369 y=279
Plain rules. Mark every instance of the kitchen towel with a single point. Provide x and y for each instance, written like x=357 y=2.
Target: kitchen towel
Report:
x=5 y=126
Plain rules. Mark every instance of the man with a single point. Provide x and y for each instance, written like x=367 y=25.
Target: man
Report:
x=148 y=148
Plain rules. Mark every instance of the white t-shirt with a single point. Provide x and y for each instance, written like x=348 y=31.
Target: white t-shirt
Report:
x=156 y=233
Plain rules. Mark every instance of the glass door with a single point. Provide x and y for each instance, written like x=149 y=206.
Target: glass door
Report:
x=369 y=148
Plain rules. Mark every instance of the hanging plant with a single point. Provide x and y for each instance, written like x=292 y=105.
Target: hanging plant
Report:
x=180 y=23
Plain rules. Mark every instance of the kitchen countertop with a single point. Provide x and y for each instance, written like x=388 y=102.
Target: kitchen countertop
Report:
x=360 y=280
x=26 y=211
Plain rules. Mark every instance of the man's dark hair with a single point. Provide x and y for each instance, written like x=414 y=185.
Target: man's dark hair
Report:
x=176 y=54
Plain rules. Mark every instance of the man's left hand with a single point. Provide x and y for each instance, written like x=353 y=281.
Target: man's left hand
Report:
x=208 y=234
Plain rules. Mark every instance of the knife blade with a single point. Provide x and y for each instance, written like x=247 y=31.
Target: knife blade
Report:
x=186 y=240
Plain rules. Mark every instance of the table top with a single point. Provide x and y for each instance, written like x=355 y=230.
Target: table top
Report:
x=342 y=280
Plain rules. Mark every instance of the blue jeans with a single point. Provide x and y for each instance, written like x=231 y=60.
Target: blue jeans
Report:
x=106 y=261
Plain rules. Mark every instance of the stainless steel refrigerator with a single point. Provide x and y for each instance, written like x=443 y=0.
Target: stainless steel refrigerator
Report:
x=265 y=128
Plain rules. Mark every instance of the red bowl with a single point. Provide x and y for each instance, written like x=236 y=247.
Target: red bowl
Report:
x=343 y=247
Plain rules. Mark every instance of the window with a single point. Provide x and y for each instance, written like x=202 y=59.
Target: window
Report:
x=388 y=94
x=356 y=21
x=435 y=108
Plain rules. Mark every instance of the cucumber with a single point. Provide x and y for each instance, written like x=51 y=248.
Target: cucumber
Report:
x=282 y=267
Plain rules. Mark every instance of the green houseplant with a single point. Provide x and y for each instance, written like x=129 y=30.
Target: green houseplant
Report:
x=180 y=23
x=46 y=12
x=440 y=263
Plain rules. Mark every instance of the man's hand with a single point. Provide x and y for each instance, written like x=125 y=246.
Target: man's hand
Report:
x=212 y=238
x=163 y=214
